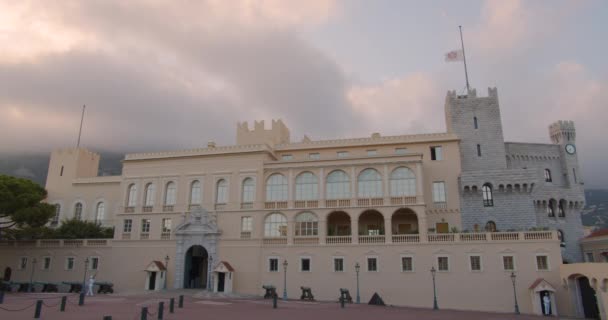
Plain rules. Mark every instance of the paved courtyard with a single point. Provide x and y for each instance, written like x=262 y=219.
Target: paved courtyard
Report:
x=196 y=306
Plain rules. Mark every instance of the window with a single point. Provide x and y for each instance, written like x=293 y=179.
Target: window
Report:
x=94 y=263
x=246 y=224
x=338 y=264
x=78 y=211
x=248 y=192
x=369 y=184
x=574 y=174
x=306 y=224
x=221 y=189
x=479 y=150
x=548 y=175
x=150 y=195
x=22 y=263
x=443 y=264
x=439 y=192
x=475 y=123
x=170 y=194
x=342 y=154
x=127 y=225
x=436 y=153
x=475 y=263
x=195 y=193
x=314 y=156
x=589 y=257
x=486 y=192
x=400 y=150
x=372 y=264
x=273 y=264
x=305 y=264
x=287 y=157
x=166 y=225
x=132 y=195
x=560 y=208
x=100 y=214
x=491 y=226
x=338 y=185
x=560 y=236
x=403 y=182
x=542 y=263
x=275 y=225
x=307 y=186
x=551 y=208
x=407 y=264
x=372 y=152
x=277 y=188
x=508 y=263
x=46 y=263
x=55 y=219
x=69 y=263
x=145 y=225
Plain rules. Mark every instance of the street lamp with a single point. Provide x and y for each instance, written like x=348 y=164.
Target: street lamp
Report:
x=166 y=269
x=32 y=275
x=285 y=280
x=513 y=277
x=435 y=306
x=84 y=277
x=357 y=268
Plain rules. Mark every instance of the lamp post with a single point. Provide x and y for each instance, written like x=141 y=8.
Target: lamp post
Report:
x=435 y=306
x=513 y=278
x=32 y=275
x=84 y=277
x=357 y=268
x=166 y=269
x=285 y=280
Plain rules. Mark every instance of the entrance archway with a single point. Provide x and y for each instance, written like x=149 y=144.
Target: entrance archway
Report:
x=196 y=267
x=588 y=298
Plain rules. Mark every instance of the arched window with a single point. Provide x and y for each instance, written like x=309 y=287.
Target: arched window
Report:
x=548 y=175
x=475 y=123
x=560 y=235
x=338 y=185
x=403 y=182
x=132 y=195
x=277 y=188
x=560 y=208
x=306 y=224
x=369 y=184
x=170 y=194
x=486 y=191
x=78 y=211
x=307 y=186
x=55 y=219
x=248 y=191
x=100 y=212
x=150 y=195
x=195 y=192
x=221 y=195
x=490 y=226
x=275 y=225
x=551 y=208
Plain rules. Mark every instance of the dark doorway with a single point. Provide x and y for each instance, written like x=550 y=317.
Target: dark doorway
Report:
x=541 y=296
x=589 y=300
x=221 y=277
x=7 y=274
x=195 y=273
x=152 y=284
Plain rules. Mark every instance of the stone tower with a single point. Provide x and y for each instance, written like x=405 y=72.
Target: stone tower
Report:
x=563 y=134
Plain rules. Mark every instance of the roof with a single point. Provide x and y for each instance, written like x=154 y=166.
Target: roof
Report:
x=598 y=233
x=159 y=265
x=538 y=282
x=227 y=265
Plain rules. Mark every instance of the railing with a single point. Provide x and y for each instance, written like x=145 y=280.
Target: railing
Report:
x=247 y=205
x=368 y=202
x=129 y=209
x=440 y=205
x=220 y=206
x=275 y=241
x=406 y=238
x=306 y=204
x=57 y=243
x=126 y=236
x=97 y=242
x=467 y=237
x=147 y=208
x=337 y=203
x=504 y=236
x=275 y=205
x=168 y=208
x=245 y=234
x=372 y=239
x=306 y=240
x=144 y=236
x=338 y=239
x=541 y=235
x=73 y=243
x=442 y=237
x=165 y=236
x=398 y=201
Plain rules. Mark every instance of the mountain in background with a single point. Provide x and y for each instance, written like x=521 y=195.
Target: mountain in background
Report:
x=34 y=167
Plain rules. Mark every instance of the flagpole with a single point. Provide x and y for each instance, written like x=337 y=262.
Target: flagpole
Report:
x=80 y=130
x=464 y=56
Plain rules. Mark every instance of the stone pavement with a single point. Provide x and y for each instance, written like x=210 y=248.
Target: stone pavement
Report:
x=128 y=307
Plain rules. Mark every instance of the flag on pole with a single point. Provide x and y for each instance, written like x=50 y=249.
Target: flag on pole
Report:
x=454 y=55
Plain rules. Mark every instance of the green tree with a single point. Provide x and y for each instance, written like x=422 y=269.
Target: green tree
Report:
x=78 y=229
x=21 y=206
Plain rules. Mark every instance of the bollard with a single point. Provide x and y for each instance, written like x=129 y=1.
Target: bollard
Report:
x=171 y=305
x=1 y=296
x=81 y=299
x=274 y=301
x=38 y=309
x=144 y=313
x=64 y=299
x=161 y=309
x=107 y=318
x=180 y=303
x=342 y=302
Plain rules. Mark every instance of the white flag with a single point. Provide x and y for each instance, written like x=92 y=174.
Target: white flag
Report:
x=455 y=55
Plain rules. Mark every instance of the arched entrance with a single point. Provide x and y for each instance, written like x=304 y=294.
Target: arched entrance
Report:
x=404 y=221
x=588 y=299
x=196 y=267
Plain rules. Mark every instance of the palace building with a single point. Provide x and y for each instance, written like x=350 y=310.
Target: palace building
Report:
x=272 y=211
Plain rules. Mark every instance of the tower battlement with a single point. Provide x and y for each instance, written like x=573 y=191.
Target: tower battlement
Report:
x=277 y=134
x=562 y=131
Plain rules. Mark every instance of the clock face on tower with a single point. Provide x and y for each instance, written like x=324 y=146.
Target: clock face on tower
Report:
x=570 y=148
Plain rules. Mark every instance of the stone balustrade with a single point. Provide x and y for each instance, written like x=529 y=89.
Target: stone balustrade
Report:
x=57 y=243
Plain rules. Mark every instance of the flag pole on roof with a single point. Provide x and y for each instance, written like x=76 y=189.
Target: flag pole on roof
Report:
x=80 y=130
x=458 y=55
x=464 y=59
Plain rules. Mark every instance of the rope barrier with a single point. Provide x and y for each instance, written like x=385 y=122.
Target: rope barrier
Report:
x=31 y=305
x=40 y=298
x=51 y=306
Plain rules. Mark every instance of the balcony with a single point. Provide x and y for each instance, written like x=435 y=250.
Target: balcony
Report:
x=126 y=236
x=306 y=204
x=165 y=236
x=193 y=207
x=57 y=243
x=144 y=236
x=306 y=240
x=247 y=205
x=276 y=204
x=406 y=238
x=278 y=241
x=339 y=203
x=338 y=240
x=129 y=209
x=220 y=206
x=245 y=234
x=147 y=208
x=399 y=201
x=372 y=239
x=168 y=208
x=370 y=202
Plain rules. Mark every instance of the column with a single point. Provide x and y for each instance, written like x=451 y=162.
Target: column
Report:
x=290 y=229
x=354 y=227
x=290 y=186
x=419 y=184
x=388 y=230
x=322 y=230
x=422 y=224
x=321 y=188
x=353 y=188
x=385 y=190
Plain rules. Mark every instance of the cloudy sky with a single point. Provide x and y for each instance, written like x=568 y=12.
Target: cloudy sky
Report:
x=174 y=74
